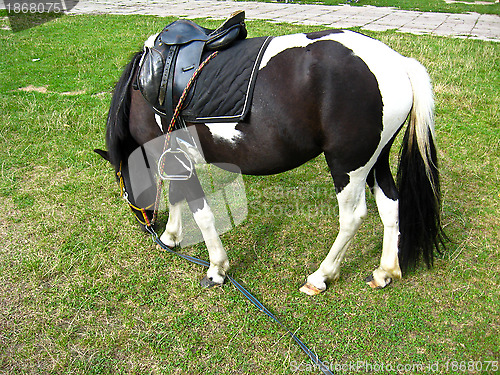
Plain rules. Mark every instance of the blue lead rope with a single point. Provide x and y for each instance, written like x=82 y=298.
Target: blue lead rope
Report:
x=314 y=357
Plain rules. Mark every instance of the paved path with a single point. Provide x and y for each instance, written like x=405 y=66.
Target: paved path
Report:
x=472 y=25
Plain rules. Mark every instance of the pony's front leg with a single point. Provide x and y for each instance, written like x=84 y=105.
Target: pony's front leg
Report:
x=192 y=191
x=219 y=262
x=172 y=236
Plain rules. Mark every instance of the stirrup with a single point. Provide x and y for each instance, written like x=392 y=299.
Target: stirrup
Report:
x=182 y=159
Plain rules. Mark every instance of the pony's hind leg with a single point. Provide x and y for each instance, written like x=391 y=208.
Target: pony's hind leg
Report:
x=386 y=195
x=352 y=210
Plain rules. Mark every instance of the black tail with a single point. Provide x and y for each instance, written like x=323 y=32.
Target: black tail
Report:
x=117 y=126
x=421 y=233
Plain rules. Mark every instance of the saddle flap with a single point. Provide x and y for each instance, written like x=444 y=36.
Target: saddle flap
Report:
x=150 y=73
x=187 y=62
x=182 y=32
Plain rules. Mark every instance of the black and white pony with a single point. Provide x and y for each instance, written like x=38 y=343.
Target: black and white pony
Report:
x=334 y=92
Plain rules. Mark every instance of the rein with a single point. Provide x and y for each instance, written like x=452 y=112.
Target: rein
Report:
x=142 y=217
x=312 y=356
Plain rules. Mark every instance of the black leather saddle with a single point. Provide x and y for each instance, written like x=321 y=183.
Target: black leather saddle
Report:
x=167 y=67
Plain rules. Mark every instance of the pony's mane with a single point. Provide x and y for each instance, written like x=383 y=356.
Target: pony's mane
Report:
x=118 y=136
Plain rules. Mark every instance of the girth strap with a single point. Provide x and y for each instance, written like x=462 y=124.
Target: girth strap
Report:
x=168 y=75
x=188 y=61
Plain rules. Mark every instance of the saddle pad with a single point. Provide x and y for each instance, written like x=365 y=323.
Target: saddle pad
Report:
x=224 y=88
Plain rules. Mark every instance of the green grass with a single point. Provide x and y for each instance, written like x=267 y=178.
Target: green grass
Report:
x=82 y=291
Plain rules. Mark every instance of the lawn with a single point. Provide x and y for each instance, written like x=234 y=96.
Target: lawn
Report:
x=83 y=291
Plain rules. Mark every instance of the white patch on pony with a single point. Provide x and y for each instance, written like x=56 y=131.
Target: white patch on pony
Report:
x=389 y=68
x=158 y=122
x=172 y=236
x=150 y=42
x=225 y=131
x=282 y=43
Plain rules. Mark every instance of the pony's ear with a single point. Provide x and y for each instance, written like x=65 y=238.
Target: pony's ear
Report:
x=103 y=153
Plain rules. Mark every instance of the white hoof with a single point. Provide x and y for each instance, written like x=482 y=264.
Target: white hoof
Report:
x=216 y=274
x=310 y=289
x=380 y=278
x=316 y=283
x=171 y=239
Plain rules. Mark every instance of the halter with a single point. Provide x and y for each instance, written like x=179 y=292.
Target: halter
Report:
x=139 y=212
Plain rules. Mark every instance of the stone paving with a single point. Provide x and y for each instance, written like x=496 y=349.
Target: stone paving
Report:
x=470 y=25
